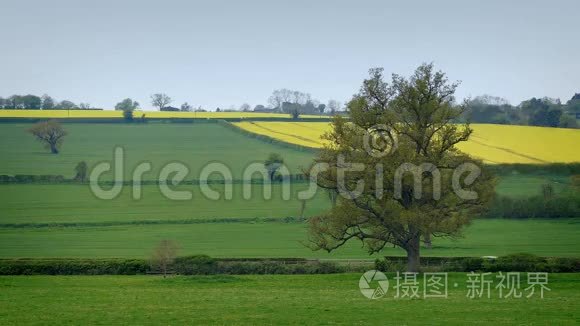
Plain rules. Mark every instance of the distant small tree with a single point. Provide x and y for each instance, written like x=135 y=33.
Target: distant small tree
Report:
x=47 y=102
x=127 y=105
x=567 y=121
x=84 y=106
x=293 y=109
x=547 y=191
x=128 y=115
x=81 y=171
x=50 y=133
x=333 y=106
x=185 y=107
x=245 y=107
x=13 y=102
x=66 y=105
x=31 y=102
x=259 y=108
x=321 y=107
x=272 y=164
x=160 y=100
x=163 y=256
x=295 y=112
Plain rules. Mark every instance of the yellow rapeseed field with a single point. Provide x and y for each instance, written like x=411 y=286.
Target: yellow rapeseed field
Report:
x=492 y=143
x=63 y=114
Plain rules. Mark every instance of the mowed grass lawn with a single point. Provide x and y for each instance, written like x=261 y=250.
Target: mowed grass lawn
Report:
x=268 y=299
x=194 y=144
x=486 y=237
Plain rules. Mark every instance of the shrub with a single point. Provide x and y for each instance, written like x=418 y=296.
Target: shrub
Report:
x=73 y=267
x=195 y=265
x=471 y=264
x=6 y=178
x=563 y=206
x=390 y=265
x=516 y=263
x=510 y=263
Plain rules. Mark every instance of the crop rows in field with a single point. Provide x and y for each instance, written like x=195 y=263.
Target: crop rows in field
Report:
x=492 y=143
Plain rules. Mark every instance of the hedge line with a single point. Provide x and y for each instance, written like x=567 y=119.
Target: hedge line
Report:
x=563 y=206
x=59 y=179
x=205 y=265
x=190 y=265
x=511 y=263
x=287 y=219
x=537 y=169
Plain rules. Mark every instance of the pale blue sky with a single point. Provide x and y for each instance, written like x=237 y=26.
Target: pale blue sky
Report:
x=223 y=53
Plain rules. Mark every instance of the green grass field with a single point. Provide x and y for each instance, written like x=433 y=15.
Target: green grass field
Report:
x=76 y=203
x=195 y=145
x=485 y=237
x=529 y=185
x=116 y=229
x=267 y=299
x=70 y=203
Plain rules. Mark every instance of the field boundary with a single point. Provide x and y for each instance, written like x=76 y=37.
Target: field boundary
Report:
x=206 y=265
x=47 y=179
x=221 y=220
x=266 y=139
x=160 y=120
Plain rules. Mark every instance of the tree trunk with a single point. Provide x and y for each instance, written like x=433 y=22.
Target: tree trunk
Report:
x=427 y=240
x=302 y=208
x=53 y=149
x=332 y=195
x=413 y=254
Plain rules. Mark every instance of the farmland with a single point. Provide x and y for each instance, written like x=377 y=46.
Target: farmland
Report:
x=278 y=239
x=158 y=143
x=67 y=220
x=289 y=163
x=64 y=203
x=41 y=221
x=492 y=143
x=95 y=114
x=265 y=299
x=30 y=203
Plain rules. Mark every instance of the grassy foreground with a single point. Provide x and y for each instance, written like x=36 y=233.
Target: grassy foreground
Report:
x=267 y=299
x=487 y=237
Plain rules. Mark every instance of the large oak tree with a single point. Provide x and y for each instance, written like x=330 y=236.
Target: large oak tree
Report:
x=414 y=183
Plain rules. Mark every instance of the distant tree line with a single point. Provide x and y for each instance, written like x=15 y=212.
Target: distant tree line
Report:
x=295 y=103
x=546 y=112
x=44 y=102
